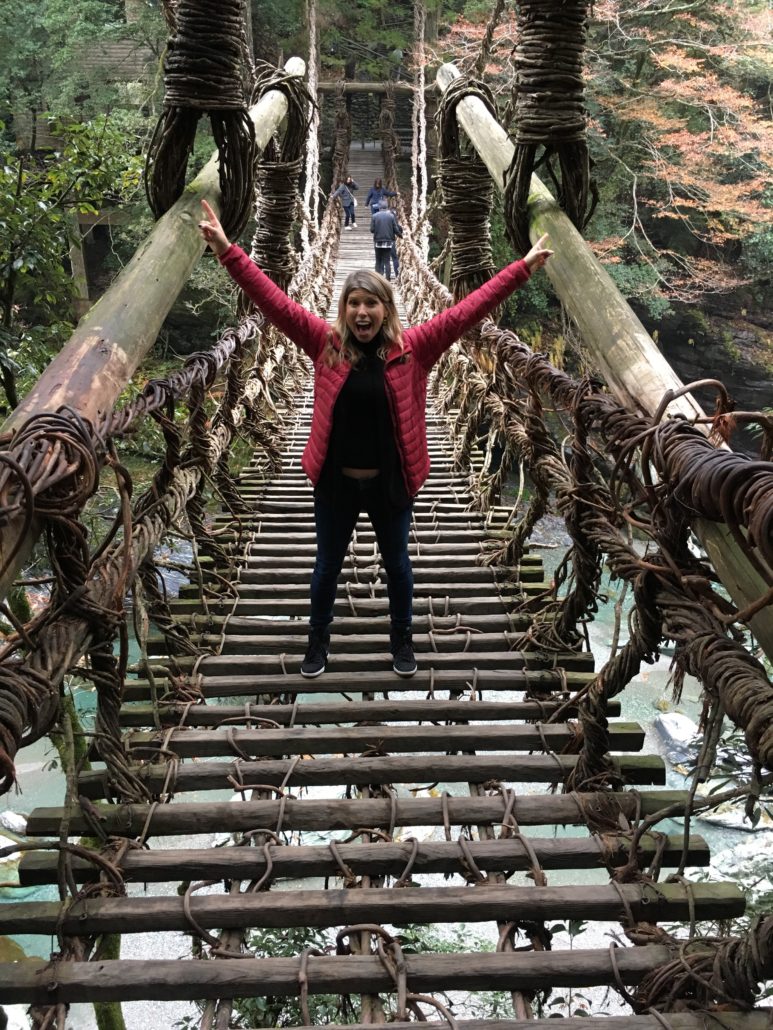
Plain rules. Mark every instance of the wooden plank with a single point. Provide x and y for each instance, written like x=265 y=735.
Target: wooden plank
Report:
x=265 y=742
x=351 y=711
x=430 y=588
x=290 y=572
x=712 y=1020
x=263 y=532
x=377 y=680
x=38 y=982
x=382 y=859
x=462 y=642
x=358 y=771
x=489 y=661
x=342 y=907
x=335 y=814
x=259 y=626
x=298 y=605
x=429 y=543
x=259 y=550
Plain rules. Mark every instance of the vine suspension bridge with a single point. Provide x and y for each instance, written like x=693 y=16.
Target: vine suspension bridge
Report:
x=361 y=802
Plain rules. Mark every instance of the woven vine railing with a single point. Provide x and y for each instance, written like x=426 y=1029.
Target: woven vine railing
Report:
x=611 y=470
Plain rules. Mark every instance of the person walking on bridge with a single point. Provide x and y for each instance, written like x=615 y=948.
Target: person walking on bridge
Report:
x=376 y=194
x=385 y=229
x=348 y=200
x=367 y=449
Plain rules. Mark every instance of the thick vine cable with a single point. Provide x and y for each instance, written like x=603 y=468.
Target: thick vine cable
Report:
x=204 y=71
x=549 y=112
x=310 y=202
x=419 y=184
x=467 y=191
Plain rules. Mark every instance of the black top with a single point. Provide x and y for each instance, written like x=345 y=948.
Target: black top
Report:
x=363 y=435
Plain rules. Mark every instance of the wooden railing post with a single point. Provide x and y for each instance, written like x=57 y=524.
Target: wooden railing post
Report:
x=634 y=369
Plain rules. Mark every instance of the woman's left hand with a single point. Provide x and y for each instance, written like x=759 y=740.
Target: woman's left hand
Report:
x=538 y=255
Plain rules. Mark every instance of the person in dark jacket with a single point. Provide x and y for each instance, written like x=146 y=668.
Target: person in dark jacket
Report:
x=385 y=229
x=368 y=443
x=376 y=194
x=348 y=201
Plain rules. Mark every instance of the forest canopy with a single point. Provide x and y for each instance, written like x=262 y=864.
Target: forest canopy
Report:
x=679 y=126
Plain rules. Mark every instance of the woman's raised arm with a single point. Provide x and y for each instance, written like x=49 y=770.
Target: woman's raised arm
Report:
x=436 y=335
x=305 y=329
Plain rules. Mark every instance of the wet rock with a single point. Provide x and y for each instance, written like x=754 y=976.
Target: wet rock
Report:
x=14 y=821
x=679 y=734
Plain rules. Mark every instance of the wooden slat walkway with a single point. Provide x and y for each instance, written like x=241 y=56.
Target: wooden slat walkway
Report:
x=421 y=774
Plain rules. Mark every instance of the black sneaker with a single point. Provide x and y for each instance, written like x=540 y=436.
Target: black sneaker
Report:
x=401 y=643
x=315 y=662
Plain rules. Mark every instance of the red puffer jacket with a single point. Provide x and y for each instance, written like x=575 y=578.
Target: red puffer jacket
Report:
x=405 y=372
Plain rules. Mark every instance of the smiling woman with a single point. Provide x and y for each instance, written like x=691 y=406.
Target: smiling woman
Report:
x=368 y=445
x=365 y=314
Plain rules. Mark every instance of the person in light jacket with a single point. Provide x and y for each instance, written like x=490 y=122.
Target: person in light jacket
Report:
x=348 y=201
x=385 y=229
x=367 y=449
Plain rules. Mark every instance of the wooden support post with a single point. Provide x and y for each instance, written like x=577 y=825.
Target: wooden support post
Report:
x=634 y=369
x=89 y=373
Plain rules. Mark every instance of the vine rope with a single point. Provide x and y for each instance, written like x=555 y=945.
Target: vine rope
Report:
x=549 y=112
x=204 y=72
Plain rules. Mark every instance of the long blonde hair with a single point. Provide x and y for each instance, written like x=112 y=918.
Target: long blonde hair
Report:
x=391 y=330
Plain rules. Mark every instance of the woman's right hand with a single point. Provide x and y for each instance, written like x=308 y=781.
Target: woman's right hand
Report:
x=212 y=231
x=538 y=254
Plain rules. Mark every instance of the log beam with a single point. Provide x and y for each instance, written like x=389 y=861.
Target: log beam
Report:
x=382 y=859
x=351 y=711
x=634 y=369
x=264 y=743
x=185 y=818
x=357 y=683
x=329 y=772
x=40 y=983
x=352 y=86
x=92 y=369
x=343 y=907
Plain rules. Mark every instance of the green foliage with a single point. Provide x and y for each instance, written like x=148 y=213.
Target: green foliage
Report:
x=527 y=308
x=325 y=1009
x=38 y=197
x=48 y=41
x=639 y=281
x=367 y=38
x=757 y=253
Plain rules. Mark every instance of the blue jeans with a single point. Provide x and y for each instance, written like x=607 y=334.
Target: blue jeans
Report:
x=349 y=215
x=335 y=517
x=395 y=260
